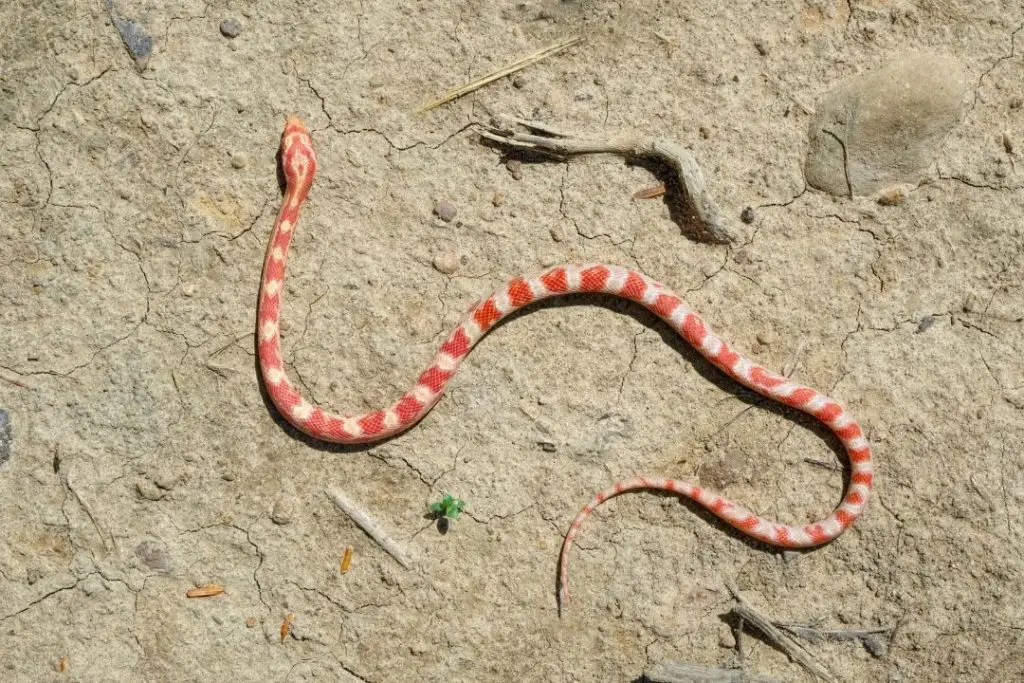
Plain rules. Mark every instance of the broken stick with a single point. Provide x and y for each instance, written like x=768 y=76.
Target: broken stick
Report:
x=521 y=63
x=745 y=612
x=684 y=672
x=702 y=211
x=372 y=529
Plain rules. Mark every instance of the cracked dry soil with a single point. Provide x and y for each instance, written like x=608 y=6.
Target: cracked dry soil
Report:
x=135 y=209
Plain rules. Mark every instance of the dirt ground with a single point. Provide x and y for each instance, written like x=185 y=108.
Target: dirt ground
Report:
x=134 y=212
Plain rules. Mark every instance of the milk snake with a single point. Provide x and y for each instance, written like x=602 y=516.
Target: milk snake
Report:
x=299 y=166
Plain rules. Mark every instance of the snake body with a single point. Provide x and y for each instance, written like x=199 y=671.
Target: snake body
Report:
x=298 y=162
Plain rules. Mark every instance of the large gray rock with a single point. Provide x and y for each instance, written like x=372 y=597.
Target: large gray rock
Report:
x=879 y=128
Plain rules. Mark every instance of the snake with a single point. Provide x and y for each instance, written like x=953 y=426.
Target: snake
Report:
x=298 y=163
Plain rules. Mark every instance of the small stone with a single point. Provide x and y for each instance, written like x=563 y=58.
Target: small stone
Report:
x=557 y=233
x=239 y=160
x=149 y=490
x=446 y=263
x=891 y=196
x=884 y=127
x=1008 y=145
x=515 y=167
x=498 y=199
x=230 y=28
x=136 y=40
x=748 y=215
x=519 y=81
x=445 y=211
x=284 y=510
x=165 y=480
x=251 y=622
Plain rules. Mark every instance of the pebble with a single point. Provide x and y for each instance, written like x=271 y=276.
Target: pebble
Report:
x=884 y=127
x=149 y=490
x=445 y=211
x=5 y=436
x=891 y=196
x=748 y=215
x=498 y=199
x=446 y=263
x=137 y=41
x=515 y=167
x=284 y=510
x=230 y=28
x=239 y=160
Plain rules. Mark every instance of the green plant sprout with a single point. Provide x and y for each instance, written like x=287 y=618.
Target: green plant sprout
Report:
x=448 y=507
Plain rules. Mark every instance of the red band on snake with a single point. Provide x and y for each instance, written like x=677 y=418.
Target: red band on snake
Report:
x=299 y=165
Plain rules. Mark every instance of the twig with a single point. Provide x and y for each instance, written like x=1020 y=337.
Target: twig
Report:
x=793 y=649
x=521 y=63
x=834 y=466
x=684 y=672
x=702 y=212
x=371 y=528
x=868 y=637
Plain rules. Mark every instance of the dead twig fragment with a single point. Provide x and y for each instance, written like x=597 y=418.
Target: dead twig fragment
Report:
x=870 y=638
x=521 y=63
x=834 y=466
x=746 y=613
x=702 y=214
x=372 y=529
x=684 y=672
x=207 y=591
x=346 y=560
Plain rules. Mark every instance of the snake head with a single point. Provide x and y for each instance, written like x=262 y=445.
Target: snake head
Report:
x=298 y=161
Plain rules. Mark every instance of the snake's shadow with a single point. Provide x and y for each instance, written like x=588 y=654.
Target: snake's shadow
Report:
x=670 y=337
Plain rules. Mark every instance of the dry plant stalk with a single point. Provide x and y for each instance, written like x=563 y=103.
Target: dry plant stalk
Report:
x=684 y=672
x=521 y=63
x=372 y=529
x=346 y=560
x=701 y=212
x=746 y=613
